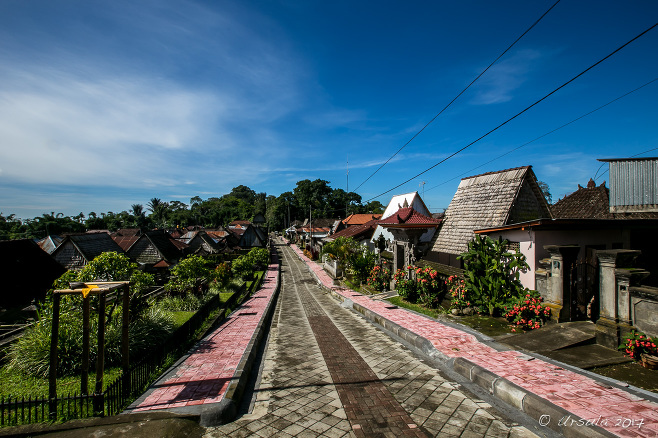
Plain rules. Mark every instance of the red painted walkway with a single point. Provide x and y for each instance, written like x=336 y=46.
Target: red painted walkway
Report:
x=204 y=376
x=613 y=409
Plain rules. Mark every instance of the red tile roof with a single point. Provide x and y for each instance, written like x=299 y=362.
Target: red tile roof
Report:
x=409 y=217
x=364 y=230
x=360 y=219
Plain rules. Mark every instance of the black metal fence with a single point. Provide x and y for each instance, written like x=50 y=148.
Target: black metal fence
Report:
x=117 y=395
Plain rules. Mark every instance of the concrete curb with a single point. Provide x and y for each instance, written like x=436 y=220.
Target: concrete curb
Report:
x=546 y=413
x=226 y=410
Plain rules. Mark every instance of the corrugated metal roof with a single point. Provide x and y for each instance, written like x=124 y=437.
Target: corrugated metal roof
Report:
x=633 y=182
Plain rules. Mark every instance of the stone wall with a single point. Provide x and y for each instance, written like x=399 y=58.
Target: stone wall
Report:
x=644 y=309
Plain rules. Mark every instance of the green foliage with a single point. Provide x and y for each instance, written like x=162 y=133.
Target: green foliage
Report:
x=260 y=257
x=340 y=248
x=243 y=267
x=492 y=272
x=31 y=353
x=188 y=302
x=360 y=263
x=405 y=287
x=188 y=274
x=637 y=343
x=222 y=274
x=109 y=266
x=459 y=296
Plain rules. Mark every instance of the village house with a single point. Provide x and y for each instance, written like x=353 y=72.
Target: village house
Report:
x=489 y=200
x=412 y=200
x=156 y=250
x=76 y=250
x=32 y=270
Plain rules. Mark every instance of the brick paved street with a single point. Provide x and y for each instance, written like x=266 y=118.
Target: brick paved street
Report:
x=328 y=372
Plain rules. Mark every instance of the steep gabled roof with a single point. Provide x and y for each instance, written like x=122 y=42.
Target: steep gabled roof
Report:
x=92 y=245
x=164 y=244
x=489 y=200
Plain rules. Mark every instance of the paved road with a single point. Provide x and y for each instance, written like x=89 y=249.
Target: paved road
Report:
x=328 y=372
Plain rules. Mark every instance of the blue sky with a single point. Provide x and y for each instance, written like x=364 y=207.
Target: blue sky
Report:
x=108 y=104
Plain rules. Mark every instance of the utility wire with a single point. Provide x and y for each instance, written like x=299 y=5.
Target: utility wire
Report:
x=547 y=133
x=632 y=156
x=519 y=113
x=457 y=97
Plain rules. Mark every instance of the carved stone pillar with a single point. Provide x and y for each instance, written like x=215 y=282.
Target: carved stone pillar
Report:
x=614 y=299
x=559 y=289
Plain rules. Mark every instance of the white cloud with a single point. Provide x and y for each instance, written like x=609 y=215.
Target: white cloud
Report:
x=498 y=84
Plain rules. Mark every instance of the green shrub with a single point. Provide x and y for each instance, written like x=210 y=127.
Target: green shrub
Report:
x=31 y=353
x=188 y=302
x=491 y=273
x=405 y=287
x=188 y=274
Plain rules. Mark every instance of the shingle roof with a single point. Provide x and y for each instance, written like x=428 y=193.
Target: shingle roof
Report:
x=165 y=246
x=93 y=245
x=489 y=200
x=592 y=202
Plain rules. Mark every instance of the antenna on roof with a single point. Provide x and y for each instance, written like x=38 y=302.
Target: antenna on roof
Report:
x=422 y=184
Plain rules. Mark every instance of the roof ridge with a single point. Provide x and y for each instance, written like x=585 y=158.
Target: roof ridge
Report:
x=498 y=171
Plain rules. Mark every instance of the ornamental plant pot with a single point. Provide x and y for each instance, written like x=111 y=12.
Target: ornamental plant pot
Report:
x=649 y=361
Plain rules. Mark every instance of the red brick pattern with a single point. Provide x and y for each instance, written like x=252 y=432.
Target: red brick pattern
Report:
x=204 y=376
x=368 y=404
x=619 y=412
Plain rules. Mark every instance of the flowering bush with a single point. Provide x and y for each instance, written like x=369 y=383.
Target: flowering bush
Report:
x=637 y=343
x=405 y=287
x=527 y=313
x=458 y=293
x=222 y=274
x=429 y=287
x=379 y=277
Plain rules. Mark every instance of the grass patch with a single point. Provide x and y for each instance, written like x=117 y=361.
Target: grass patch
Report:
x=181 y=317
x=397 y=301
x=20 y=385
x=350 y=285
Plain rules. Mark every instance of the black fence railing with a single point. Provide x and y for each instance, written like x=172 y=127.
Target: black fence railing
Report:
x=118 y=394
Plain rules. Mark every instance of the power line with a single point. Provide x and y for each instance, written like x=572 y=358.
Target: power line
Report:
x=519 y=113
x=548 y=133
x=457 y=97
x=632 y=156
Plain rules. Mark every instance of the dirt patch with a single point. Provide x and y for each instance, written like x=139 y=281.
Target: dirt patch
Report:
x=631 y=373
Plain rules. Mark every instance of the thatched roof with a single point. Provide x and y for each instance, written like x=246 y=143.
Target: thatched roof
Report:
x=490 y=200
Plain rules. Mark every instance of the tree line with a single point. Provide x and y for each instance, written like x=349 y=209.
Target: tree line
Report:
x=242 y=203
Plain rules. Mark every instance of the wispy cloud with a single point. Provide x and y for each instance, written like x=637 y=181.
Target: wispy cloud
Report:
x=499 y=83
